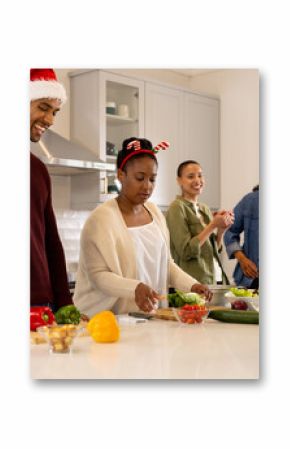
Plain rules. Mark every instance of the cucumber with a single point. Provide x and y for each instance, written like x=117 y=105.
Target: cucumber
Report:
x=235 y=316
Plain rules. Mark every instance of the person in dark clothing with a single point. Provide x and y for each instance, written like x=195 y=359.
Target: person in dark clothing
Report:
x=48 y=277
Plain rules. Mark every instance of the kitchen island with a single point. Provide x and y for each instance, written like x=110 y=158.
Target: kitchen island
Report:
x=157 y=349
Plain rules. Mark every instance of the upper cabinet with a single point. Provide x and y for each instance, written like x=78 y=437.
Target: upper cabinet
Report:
x=163 y=121
x=122 y=102
x=107 y=108
x=190 y=123
x=200 y=129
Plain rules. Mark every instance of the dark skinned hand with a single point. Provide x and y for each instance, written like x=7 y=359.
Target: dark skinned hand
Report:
x=145 y=297
x=202 y=290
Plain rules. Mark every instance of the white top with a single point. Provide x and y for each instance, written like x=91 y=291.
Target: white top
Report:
x=152 y=259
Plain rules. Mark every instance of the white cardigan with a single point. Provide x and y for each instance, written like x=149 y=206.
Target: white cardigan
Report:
x=106 y=278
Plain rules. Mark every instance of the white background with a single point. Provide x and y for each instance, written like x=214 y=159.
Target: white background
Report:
x=129 y=34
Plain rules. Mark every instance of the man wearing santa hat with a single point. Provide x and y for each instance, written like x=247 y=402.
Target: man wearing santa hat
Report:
x=48 y=277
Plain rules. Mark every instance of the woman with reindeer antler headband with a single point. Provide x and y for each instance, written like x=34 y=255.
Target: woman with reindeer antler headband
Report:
x=125 y=262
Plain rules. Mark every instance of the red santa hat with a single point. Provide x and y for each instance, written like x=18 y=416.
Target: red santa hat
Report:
x=44 y=84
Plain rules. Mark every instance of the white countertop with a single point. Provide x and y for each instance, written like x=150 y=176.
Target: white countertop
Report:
x=158 y=350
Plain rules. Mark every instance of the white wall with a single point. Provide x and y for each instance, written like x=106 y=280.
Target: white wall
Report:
x=62 y=121
x=238 y=91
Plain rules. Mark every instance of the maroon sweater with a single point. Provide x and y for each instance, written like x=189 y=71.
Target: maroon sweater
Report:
x=48 y=277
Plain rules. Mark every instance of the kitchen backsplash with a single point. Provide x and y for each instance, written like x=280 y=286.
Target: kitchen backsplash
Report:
x=70 y=224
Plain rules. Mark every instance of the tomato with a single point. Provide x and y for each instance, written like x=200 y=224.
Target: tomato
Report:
x=191 y=314
x=180 y=313
x=188 y=307
x=190 y=320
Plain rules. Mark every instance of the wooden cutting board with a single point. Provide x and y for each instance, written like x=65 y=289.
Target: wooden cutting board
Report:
x=218 y=308
x=164 y=314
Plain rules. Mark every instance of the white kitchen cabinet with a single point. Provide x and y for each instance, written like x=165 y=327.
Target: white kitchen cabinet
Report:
x=163 y=120
x=125 y=93
x=102 y=130
x=190 y=123
x=200 y=142
x=91 y=125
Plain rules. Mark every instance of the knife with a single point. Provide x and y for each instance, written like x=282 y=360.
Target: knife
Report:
x=147 y=316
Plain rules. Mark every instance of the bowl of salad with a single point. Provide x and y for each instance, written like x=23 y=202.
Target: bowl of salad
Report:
x=188 y=308
x=187 y=314
x=243 y=298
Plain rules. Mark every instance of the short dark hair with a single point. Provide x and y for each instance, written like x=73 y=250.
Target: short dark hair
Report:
x=145 y=144
x=184 y=164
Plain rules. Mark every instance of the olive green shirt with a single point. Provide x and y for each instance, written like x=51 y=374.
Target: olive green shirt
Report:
x=184 y=225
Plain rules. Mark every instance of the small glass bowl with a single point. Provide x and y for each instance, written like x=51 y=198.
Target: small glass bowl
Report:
x=60 y=336
x=190 y=317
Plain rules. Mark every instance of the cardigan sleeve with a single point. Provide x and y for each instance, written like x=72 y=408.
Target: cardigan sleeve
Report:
x=179 y=279
x=101 y=260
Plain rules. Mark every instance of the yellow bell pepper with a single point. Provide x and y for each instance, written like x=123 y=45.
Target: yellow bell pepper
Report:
x=103 y=327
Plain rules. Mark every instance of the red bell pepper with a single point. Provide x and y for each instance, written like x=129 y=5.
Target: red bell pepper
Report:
x=40 y=316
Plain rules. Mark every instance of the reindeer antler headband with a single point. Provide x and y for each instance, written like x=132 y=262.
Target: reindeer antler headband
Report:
x=135 y=145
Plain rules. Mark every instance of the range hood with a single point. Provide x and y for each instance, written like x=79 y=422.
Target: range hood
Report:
x=64 y=157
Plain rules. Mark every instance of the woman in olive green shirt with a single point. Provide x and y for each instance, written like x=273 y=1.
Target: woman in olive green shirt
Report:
x=195 y=233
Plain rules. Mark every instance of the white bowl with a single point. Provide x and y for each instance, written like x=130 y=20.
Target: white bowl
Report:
x=252 y=301
x=219 y=291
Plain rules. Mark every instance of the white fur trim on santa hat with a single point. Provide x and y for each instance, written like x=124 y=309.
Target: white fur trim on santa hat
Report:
x=47 y=89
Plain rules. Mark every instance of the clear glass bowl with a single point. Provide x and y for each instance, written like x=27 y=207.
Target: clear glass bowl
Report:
x=60 y=336
x=190 y=317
